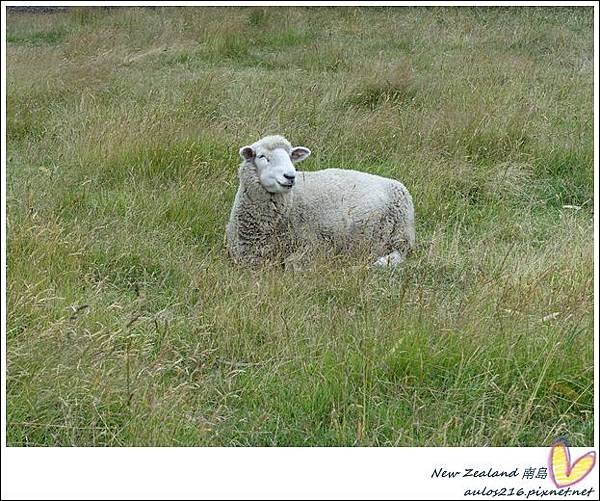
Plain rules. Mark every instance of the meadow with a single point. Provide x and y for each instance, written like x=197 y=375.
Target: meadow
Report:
x=128 y=324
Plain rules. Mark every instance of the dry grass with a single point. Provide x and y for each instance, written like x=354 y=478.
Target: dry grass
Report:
x=127 y=323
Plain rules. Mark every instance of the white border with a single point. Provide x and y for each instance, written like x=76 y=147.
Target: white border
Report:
x=3 y=233
x=596 y=235
x=266 y=473
x=305 y=3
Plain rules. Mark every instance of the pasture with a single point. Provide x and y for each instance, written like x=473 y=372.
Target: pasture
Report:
x=128 y=324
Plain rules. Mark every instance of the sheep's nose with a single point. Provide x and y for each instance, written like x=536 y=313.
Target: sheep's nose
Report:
x=290 y=177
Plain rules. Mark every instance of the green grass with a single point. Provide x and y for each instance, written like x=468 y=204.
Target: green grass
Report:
x=129 y=325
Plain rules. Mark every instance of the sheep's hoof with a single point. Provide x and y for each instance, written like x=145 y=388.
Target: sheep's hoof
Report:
x=392 y=259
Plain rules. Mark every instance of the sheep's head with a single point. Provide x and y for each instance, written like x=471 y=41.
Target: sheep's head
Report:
x=273 y=157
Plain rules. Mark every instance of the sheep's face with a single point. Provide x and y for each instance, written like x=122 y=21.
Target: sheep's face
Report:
x=275 y=167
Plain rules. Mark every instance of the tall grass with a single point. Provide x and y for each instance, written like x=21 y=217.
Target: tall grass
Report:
x=128 y=324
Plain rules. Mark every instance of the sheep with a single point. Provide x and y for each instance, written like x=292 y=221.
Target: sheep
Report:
x=279 y=212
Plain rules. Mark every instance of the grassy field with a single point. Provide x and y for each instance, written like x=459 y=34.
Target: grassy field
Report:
x=128 y=324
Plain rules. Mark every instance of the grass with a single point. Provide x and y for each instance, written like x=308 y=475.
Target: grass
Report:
x=128 y=324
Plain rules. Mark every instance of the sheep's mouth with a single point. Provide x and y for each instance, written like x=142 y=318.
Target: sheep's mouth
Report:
x=285 y=185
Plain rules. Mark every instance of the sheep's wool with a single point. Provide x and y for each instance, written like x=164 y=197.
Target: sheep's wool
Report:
x=273 y=142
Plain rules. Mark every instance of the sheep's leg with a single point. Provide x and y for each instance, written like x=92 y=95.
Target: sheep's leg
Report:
x=392 y=259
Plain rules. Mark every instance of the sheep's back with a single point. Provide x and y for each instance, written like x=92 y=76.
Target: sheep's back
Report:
x=341 y=202
x=345 y=189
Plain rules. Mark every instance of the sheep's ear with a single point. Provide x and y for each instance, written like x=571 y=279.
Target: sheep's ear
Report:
x=299 y=153
x=247 y=153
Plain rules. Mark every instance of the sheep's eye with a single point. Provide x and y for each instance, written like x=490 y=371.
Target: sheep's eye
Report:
x=261 y=156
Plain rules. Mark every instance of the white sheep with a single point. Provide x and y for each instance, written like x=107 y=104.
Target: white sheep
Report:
x=279 y=212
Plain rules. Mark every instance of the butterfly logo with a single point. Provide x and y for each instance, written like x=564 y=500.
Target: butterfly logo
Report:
x=563 y=471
